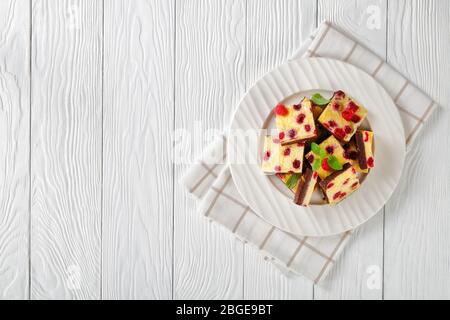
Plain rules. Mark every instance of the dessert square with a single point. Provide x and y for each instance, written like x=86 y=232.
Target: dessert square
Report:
x=340 y=184
x=364 y=140
x=342 y=116
x=282 y=159
x=295 y=122
x=306 y=187
x=331 y=147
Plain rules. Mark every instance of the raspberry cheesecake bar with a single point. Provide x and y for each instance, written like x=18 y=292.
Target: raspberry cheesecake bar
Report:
x=306 y=188
x=330 y=147
x=340 y=184
x=282 y=159
x=295 y=122
x=364 y=141
x=342 y=116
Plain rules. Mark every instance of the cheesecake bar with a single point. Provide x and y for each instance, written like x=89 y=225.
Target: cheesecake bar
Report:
x=331 y=147
x=306 y=188
x=340 y=184
x=278 y=159
x=364 y=140
x=342 y=116
x=295 y=122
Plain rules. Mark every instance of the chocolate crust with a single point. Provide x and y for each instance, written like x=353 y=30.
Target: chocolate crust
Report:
x=362 y=151
x=299 y=141
x=303 y=187
x=323 y=184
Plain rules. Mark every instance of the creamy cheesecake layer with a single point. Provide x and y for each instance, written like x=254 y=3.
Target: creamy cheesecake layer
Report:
x=340 y=184
x=295 y=122
x=282 y=159
x=364 y=141
x=342 y=116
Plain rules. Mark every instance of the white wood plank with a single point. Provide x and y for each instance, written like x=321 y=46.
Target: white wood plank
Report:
x=358 y=272
x=137 y=168
x=210 y=44
x=275 y=30
x=417 y=254
x=66 y=116
x=14 y=148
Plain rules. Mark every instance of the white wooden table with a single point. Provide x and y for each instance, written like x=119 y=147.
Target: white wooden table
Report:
x=90 y=93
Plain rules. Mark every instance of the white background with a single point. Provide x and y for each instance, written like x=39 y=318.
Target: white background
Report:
x=90 y=92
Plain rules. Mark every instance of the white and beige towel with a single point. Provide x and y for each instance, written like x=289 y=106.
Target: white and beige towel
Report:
x=210 y=181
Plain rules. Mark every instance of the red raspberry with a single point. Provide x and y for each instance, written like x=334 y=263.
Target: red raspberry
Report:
x=326 y=125
x=339 y=94
x=300 y=144
x=277 y=168
x=297 y=106
x=339 y=133
x=355 y=118
x=348 y=130
x=310 y=158
x=336 y=195
x=353 y=170
x=332 y=123
x=343 y=194
x=281 y=110
x=300 y=118
x=370 y=162
x=296 y=164
x=354 y=185
x=325 y=165
x=281 y=135
x=366 y=136
x=330 y=185
x=347 y=115
x=307 y=128
x=292 y=133
x=329 y=149
x=267 y=155
x=314 y=175
x=287 y=151
x=352 y=107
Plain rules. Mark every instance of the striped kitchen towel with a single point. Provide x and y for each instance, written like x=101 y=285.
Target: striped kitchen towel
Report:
x=210 y=181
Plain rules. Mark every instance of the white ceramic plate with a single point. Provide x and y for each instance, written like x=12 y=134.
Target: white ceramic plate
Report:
x=289 y=82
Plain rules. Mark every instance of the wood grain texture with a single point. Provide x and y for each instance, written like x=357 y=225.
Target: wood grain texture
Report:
x=417 y=254
x=210 y=48
x=275 y=30
x=14 y=148
x=137 y=168
x=363 y=256
x=66 y=148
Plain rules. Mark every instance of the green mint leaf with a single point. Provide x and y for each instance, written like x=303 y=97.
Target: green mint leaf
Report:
x=334 y=163
x=292 y=181
x=322 y=153
x=318 y=150
x=319 y=100
x=315 y=148
x=316 y=164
